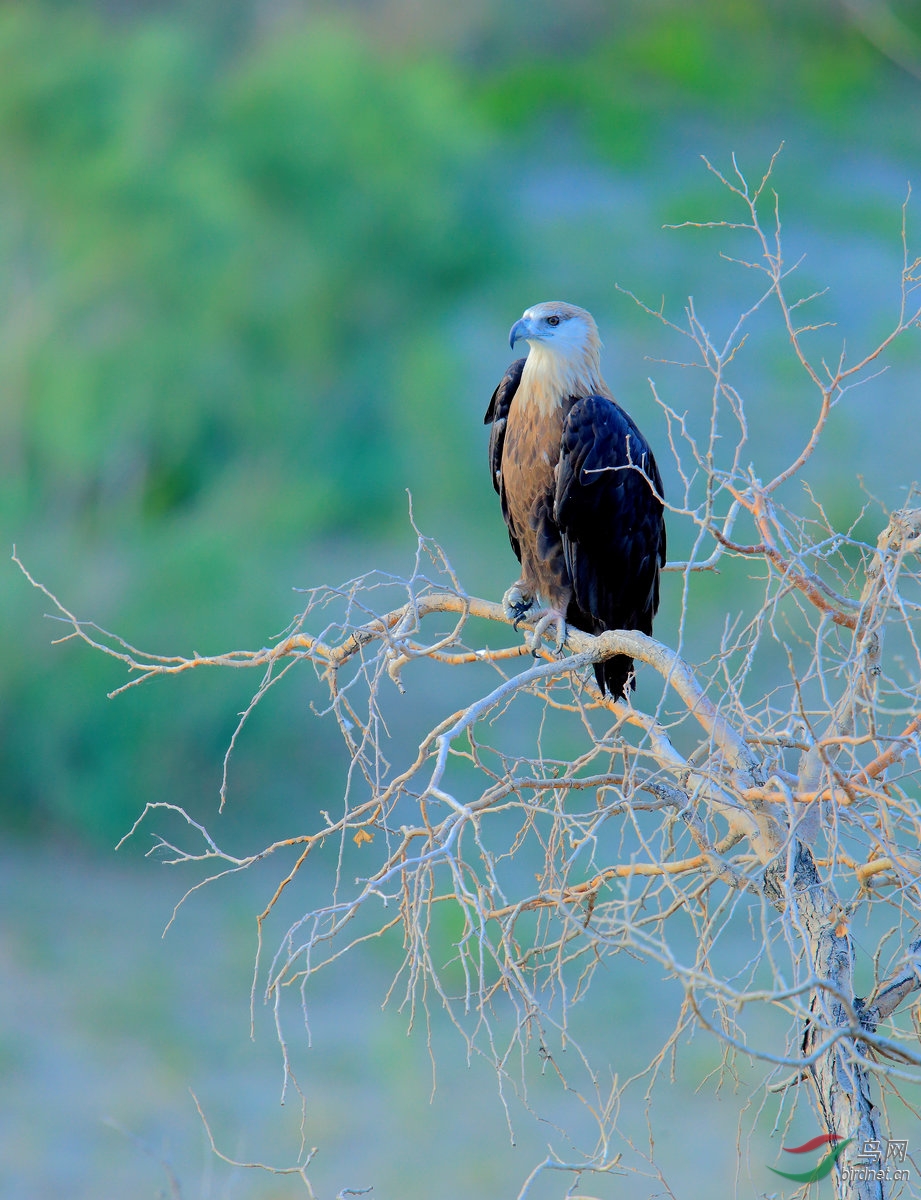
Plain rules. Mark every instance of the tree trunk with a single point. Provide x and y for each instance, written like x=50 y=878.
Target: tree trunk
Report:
x=841 y=1079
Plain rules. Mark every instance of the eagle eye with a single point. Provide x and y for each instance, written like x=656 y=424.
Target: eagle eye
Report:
x=553 y=320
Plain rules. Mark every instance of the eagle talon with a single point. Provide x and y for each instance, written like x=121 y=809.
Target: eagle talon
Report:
x=519 y=617
x=516 y=604
x=548 y=619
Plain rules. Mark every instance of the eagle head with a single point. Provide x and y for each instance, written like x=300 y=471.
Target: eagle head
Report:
x=565 y=348
x=562 y=328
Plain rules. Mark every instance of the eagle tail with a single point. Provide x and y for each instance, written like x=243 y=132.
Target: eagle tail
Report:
x=615 y=676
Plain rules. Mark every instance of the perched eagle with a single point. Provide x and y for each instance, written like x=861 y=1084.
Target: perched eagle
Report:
x=580 y=491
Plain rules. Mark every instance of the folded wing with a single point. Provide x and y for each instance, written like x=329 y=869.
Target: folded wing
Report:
x=609 y=512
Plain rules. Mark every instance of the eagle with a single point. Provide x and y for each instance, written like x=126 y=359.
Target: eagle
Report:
x=579 y=488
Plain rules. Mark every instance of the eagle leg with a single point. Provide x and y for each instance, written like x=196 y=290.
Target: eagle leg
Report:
x=517 y=603
x=547 y=619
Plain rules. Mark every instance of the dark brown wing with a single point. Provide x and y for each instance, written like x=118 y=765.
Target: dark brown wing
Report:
x=497 y=416
x=610 y=516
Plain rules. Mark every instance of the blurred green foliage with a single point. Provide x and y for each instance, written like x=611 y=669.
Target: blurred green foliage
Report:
x=225 y=262
x=728 y=60
x=215 y=269
x=246 y=271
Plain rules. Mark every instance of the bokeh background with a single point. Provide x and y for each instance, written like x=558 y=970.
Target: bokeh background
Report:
x=258 y=261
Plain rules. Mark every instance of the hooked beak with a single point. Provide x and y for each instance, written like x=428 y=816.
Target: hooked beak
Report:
x=521 y=329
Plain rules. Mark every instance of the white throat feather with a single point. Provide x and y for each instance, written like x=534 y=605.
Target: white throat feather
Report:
x=549 y=378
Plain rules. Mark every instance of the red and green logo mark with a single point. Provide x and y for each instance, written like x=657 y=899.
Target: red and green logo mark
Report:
x=826 y=1164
